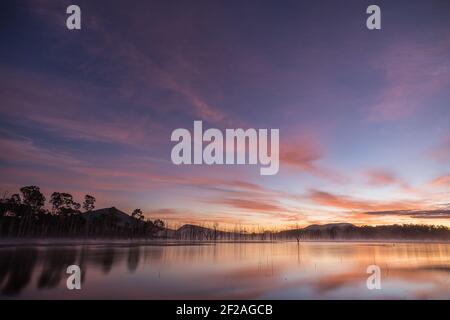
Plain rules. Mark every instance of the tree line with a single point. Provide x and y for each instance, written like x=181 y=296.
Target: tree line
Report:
x=24 y=215
x=383 y=232
x=330 y=232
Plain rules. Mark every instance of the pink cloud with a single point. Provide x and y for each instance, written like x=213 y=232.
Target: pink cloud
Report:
x=253 y=205
x=442 y=181
x=27 y=99
x=304 y=155
x=350 y=203
x=380 y=177
x=25 y=150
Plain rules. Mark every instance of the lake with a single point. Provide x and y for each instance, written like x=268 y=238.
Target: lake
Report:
x=270 y=270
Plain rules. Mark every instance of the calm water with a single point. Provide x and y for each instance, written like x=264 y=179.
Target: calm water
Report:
x=282 y=270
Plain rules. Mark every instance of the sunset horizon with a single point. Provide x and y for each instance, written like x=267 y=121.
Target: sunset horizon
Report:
x=362 y=116
x=215 y=158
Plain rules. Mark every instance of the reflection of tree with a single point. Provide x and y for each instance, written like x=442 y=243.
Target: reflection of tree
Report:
x=17 y=268
x=56 y=263
x=6 y=257
x=133 y=258
x=107 y=260
x=83 y=262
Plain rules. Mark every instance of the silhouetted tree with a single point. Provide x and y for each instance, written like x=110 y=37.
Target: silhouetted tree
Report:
x=56 y=201
x=33 y=197
x=137 y=213
x=15 y=199
x=68 y=205
x=88 y=203
x=24 y=216
x=159 y=224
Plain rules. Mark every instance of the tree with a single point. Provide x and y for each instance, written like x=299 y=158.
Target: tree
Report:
x=88 y=203
x=56 y=201
x=159 y=224
x=64 y=204
x=15 y=199
x=33 y=197
x=137 y=214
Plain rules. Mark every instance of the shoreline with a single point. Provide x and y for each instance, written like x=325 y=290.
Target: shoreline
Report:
x=49 y=242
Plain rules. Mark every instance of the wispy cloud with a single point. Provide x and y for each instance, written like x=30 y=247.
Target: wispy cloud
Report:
x=380 y=177
x=418 y=214
x=24 y=150
x=441 y=152
x=350 y=203
x=413 y=72
x=304 y=155
x=441 y=181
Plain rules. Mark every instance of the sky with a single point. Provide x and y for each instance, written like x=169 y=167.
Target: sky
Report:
x=363 y=114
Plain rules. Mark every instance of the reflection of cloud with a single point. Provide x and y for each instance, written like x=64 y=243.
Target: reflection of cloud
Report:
x=335 y=282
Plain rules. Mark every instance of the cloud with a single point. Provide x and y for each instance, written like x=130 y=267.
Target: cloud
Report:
x=350 y=203
x=24 y=158
x=304 y=155
x=24 y=150
x=442 y=181
x=132 y=88
x=414 y=73
x=253 y=205
x=141 y=76
x=419 y=214
x=84 y=113
x=260 y=208
x=380 y=177
x=441 y=153
x=301 y=155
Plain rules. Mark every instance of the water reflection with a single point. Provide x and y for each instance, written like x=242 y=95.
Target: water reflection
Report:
x=133 y=258
x=54 y=266
x=282 y=270
x=16 y=269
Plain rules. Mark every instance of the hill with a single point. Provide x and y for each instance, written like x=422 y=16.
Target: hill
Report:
x=332 y=231
x=120 y=218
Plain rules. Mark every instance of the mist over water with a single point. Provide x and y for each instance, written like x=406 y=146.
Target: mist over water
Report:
x=262 y=270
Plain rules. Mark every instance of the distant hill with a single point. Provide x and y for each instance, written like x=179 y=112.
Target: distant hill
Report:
x=121 y=218
x=194 y=232
x=348 y=231
x=332 y=231
x=328 y=226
